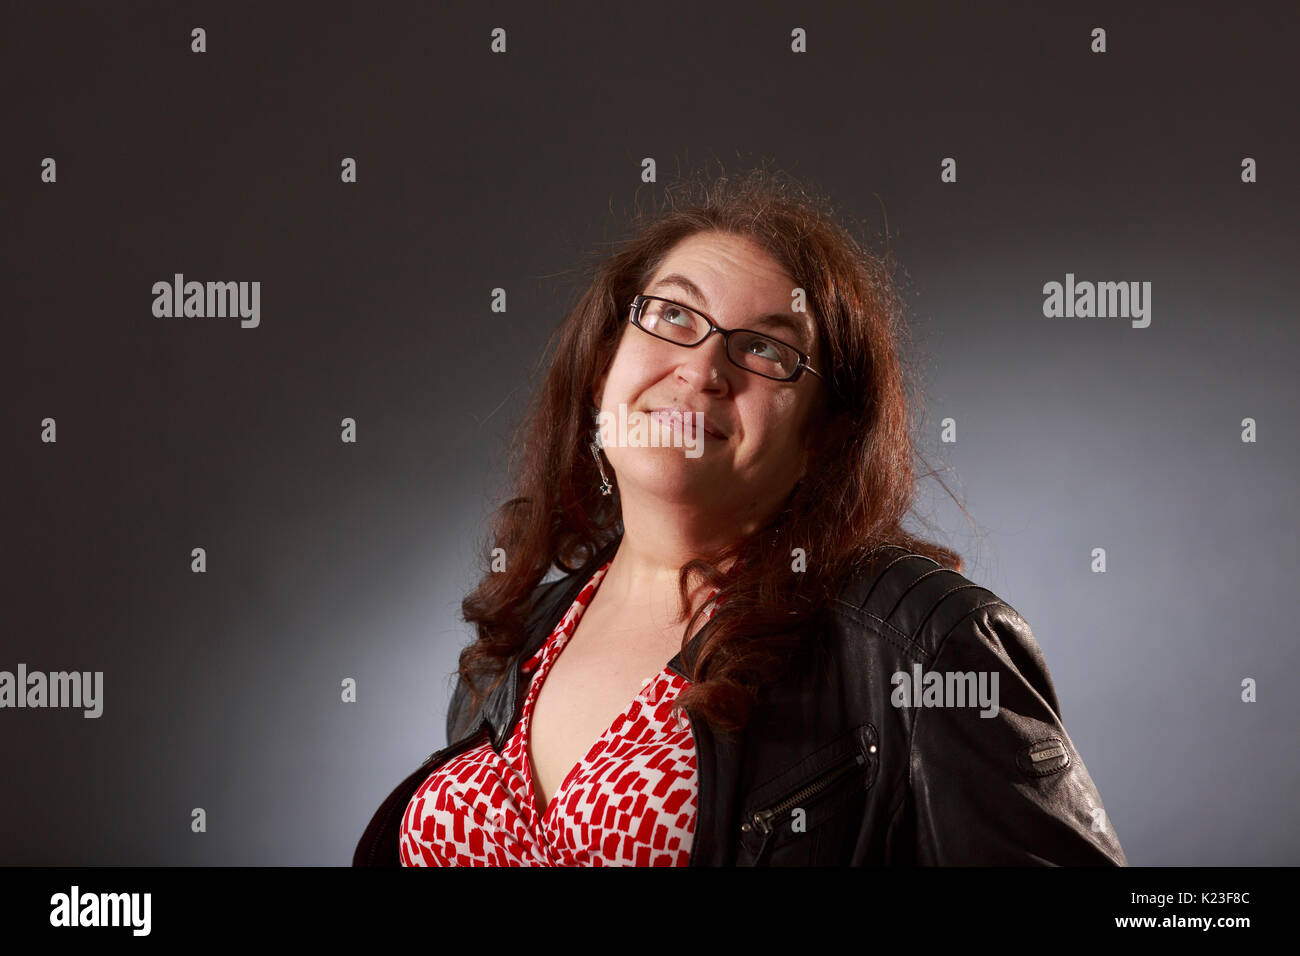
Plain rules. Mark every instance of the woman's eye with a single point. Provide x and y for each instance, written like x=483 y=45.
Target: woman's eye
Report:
x=764 y=350
x=670 y=315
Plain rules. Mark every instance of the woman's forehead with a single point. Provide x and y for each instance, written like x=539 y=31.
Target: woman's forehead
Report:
x=726 y=257
x=719 y=266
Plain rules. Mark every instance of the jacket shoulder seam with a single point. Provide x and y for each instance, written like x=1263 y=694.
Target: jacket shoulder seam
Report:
x=883 y=628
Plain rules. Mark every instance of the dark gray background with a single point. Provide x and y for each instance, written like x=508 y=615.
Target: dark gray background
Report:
x=476 y=170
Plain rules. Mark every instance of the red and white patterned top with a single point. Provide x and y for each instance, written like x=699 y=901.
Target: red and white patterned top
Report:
x=630 y=801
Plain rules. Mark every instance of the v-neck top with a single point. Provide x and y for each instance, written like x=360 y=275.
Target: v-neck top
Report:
x=630 y=801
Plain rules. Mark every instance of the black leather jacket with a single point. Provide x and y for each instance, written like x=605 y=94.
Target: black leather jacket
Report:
x=830 y=771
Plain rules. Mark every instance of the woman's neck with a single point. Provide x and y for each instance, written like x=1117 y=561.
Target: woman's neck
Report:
x=643 y=575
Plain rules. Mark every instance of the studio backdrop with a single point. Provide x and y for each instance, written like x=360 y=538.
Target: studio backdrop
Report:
x=239 y=524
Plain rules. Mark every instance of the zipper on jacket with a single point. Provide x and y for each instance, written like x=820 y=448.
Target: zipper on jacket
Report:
x=762 y=821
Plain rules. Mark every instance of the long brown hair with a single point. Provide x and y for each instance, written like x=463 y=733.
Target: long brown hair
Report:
x=858 y=487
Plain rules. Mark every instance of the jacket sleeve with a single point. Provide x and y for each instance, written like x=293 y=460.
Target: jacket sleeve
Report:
x=1010 y=788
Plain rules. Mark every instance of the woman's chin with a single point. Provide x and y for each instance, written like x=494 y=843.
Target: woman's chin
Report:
x=674 y=477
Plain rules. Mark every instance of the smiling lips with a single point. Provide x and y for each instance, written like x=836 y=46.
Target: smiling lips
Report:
x=684 y=419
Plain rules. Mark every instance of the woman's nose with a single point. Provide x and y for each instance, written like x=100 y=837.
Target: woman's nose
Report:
x=707 y=365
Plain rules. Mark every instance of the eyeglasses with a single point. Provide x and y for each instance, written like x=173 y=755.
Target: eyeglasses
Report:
x=752 y=351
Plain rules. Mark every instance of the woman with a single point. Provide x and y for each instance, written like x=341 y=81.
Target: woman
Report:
x=747 y=660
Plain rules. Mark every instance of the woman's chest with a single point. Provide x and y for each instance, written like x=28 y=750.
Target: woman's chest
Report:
x=587 y=686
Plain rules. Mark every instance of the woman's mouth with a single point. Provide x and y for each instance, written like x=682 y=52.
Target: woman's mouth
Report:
x=689 y=424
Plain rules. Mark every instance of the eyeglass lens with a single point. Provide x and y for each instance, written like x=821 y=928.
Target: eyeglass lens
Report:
x=752 y=351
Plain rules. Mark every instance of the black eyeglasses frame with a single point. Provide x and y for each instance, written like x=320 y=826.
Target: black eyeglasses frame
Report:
x=639 y=302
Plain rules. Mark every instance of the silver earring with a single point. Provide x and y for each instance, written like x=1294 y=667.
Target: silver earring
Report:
x=605 y=487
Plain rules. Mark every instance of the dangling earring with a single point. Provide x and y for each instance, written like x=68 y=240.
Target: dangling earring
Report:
x=605 y=487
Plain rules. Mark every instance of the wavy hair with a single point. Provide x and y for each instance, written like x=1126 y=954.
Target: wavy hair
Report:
x=858 y=487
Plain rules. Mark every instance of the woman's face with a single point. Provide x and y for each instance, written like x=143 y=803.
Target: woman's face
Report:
x=744 y=475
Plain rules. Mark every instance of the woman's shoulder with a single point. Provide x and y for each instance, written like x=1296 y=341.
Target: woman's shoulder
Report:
x=921 y=600
x=913 y=610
